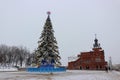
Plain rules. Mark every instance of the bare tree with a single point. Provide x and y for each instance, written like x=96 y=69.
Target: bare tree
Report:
x=13 y=56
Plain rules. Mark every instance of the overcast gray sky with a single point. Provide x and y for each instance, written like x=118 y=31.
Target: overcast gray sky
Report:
x=74 y=21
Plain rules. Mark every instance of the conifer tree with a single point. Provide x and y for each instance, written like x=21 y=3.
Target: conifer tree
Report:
x=47 y=52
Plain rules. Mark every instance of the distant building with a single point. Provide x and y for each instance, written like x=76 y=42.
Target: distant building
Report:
x=93 y=60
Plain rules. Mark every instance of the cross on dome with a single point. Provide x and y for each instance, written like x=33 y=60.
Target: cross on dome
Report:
x=48 y=12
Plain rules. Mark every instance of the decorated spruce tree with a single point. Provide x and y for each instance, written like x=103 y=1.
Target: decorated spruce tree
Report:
x=47 y=52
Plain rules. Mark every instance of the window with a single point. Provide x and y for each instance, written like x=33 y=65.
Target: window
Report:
x=98 y=60
x=87 y=61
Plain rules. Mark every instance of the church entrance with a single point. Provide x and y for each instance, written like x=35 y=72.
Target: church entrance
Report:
x=87 y=67
x=80 y=67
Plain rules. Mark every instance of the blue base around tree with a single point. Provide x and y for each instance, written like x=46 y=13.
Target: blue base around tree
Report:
x=48 y=68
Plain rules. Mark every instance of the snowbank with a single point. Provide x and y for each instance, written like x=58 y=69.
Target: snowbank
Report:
x=8 y=69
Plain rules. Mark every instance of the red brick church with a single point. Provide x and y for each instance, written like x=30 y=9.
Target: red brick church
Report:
x=93 y=60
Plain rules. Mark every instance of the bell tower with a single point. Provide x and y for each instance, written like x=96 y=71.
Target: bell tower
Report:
x=96 y=44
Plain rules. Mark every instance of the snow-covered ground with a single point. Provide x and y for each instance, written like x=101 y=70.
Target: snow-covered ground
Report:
x=8 y=69
x=69 y=75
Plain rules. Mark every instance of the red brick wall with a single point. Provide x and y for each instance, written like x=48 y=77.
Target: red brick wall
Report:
x=93 y=60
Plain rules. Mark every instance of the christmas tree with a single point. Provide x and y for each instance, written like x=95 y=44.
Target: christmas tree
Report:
x=47 y=52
